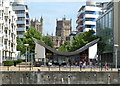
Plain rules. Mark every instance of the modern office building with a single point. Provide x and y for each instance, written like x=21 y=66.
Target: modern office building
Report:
x=38 y=24
x=108 y=28
x=86 y=20
x=7 y=31
x=23 y=19
x=87 y=16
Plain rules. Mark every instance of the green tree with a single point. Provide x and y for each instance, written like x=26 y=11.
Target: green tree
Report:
x=65 y=47
x=79 y=41
x=48 y=41
x=82 y=39
x=106 y=41
x=20 y=45
x=32 y=32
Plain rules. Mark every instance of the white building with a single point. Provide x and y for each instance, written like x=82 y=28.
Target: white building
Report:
x=7 y=31
x=23 y=21
x=87 y=17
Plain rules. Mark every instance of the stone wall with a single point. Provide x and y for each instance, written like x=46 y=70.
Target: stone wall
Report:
x=60 y=77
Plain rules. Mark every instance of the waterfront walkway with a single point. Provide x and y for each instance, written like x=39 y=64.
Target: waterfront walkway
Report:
x=27 y=67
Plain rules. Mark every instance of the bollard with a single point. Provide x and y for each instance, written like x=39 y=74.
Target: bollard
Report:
x=48 y=68
x=80 y=67
x=19 y=66
x=70 y=67
x=108 y=78
x=59 y=67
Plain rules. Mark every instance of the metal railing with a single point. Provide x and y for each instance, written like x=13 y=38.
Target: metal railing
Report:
x=30 y=67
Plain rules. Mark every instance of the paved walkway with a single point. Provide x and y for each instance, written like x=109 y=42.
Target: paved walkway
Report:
x=27 y=67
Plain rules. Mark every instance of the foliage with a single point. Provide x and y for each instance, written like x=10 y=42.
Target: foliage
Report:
x=19 y=60
x=32 y=33
x=79 y=41
x=106 y=42
x=48 y=41
x=20 y=45
x=8 y=63
x=101 y=45
x=65 y=47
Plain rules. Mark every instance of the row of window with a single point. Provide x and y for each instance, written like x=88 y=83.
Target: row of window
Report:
x=19 y=11
x=106 y=21
x=92 y=12
x=104 y=29
x=90 y=26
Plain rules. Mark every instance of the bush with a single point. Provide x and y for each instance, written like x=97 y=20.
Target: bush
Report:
x=8 y=63
x=19 y=60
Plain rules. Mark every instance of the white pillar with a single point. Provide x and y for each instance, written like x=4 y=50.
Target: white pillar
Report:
x=1 y=56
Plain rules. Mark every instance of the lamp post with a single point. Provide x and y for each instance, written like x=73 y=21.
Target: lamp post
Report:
x=116 y=49
x=26 y=51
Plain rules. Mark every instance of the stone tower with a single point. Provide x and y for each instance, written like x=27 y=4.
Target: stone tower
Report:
x=63 y=28
x=38 y=24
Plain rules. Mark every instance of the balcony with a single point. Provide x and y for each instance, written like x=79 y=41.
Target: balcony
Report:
x=79 y=26
x=22 y=7
x=21 y=36
x=78 y=20
x=6 y=36
x=6 y=47
x=6 y=24
x=20 y=22
x=1 y=21
x=91 y=16
x=27 y=16
x=87 y=29
x=89 y=23
x=6 y=14
x=1 y=8
x=21 y=29
x=20 y=15
x=27 y=23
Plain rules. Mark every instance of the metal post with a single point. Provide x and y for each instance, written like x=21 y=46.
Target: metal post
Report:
x=26 y=54
x=116 y=58
x=26 y=50
x=116 y=46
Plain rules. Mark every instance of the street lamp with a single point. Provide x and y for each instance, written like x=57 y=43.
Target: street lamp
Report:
x=116 y=49
x=26 y=51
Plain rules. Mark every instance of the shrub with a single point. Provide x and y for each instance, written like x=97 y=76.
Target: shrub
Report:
x=8 y=63
x=19 y=60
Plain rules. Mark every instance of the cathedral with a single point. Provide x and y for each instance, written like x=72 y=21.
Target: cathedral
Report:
x=38 y=24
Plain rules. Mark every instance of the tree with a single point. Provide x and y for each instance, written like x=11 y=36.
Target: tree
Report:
x=48 y=41
x=65 y=47
x=32 y=32
x=79 y=41
x=20 y=45
x=106 y=36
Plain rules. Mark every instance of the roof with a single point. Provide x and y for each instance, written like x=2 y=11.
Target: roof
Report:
x=76 y=52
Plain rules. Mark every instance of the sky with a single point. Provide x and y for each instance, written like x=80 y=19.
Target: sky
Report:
x=51 y=10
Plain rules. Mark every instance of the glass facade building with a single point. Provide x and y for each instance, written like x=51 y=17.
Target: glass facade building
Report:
x=105 y=29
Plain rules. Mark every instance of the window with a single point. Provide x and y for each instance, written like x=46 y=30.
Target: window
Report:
x=91 y=12
x=21 y=18
x=19 y=11
x=90 y=19
x=20 y=25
